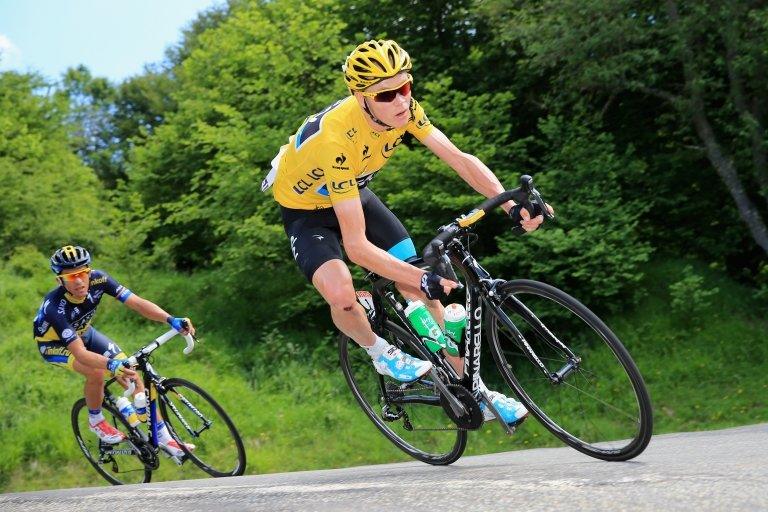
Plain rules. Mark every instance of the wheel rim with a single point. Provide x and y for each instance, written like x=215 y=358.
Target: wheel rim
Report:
x=423 y=431
x=117 y=463
x=596 y=408
x=194 y=418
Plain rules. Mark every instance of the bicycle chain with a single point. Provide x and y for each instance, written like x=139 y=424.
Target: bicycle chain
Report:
x=433 y=389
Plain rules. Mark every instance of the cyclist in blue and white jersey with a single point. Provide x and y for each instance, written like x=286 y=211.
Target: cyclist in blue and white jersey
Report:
x=65 y=337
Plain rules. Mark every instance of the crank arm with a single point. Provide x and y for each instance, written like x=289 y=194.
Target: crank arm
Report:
x=456 y=406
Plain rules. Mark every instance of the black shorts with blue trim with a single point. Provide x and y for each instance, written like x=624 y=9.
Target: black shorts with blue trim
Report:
x=58 y=353
x=315 y=235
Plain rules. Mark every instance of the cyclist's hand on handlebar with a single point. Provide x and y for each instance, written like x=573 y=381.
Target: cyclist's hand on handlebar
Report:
x=120 y=368
x=436 y=287
x=183 y=325
x=526 y=221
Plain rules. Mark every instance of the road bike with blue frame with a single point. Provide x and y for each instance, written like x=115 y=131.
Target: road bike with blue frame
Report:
x=190 y=413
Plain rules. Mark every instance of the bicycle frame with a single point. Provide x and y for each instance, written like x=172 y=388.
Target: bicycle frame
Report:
x=152 y=382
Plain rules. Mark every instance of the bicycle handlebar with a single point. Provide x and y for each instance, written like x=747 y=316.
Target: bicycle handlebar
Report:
x=159 y=341
x=434 y=252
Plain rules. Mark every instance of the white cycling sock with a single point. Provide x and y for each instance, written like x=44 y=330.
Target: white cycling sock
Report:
x=95 y=417
x=163 y=436
x=379 y=347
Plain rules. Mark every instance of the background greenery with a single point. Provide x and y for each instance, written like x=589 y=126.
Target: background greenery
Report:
x=643 y=122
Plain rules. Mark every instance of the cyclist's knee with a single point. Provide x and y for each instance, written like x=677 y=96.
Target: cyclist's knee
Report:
x=334 y=282
x=342 y=299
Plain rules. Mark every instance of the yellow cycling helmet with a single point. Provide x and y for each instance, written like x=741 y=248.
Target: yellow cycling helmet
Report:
x=374 y=61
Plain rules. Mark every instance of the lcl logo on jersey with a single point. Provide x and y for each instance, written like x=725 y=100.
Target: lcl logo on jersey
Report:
x=306 y=182
x=388 y=149
x=340 y=163
x=341 y=187
x=366 y=152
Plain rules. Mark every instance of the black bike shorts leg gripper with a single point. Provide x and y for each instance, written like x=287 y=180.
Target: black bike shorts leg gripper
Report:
x=315 y=235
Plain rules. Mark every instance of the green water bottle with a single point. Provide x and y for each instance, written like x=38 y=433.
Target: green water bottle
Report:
x=455 y=319
x=427 y=328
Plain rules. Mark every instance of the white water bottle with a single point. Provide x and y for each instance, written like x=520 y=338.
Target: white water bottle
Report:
x=127 y=410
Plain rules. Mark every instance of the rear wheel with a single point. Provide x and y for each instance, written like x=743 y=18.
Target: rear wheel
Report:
x=598 y=403
x=193 y=416
x=410 y=415
x=118 y=463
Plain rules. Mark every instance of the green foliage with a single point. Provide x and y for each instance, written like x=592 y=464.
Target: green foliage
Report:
x=689 y=298
x=592 y=249
x=49 y=196
x=243 y=89
x=294 y=409
x=622 y=61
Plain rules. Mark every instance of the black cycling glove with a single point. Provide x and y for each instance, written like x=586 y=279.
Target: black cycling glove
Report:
x=514 y=214
x=430 y=284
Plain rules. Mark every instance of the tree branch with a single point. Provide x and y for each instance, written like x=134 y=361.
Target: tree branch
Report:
x=722 y=163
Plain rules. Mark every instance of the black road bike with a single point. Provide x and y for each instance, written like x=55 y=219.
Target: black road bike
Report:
x=567 y=367
x=189 y=412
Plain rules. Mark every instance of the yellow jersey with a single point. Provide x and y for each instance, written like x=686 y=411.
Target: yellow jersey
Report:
x=335 y=153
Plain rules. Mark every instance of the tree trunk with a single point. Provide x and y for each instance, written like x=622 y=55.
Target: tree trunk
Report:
x=727 y=172
x=751 y=119
x=723 y=164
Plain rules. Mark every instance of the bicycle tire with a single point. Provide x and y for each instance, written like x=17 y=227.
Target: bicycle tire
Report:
x=194 y=416
x=602 y=408
x=122 y=466
x=433 y=437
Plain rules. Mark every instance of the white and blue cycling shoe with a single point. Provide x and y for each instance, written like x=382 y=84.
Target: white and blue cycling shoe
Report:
x=399 y=365
x=510 y=410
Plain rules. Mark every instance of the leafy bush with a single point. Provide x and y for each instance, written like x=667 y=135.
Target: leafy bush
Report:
x=689 y=298
x=592 y=250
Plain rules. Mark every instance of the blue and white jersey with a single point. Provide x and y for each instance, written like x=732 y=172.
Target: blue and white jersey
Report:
x=62 y=317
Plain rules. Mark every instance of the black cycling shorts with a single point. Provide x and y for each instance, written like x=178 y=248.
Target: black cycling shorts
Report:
x=315 y=235
x=57 y=353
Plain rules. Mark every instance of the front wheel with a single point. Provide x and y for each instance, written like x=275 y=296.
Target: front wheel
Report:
x=194 y=417
x=570 y=370
x=121 y=463
x=409 y=415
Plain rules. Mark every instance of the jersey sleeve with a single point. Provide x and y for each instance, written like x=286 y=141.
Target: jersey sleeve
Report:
x=419 y=125
x=338 y=164
x=112 y=287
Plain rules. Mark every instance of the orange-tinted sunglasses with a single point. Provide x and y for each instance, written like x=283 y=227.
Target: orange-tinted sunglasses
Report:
x=70 y=278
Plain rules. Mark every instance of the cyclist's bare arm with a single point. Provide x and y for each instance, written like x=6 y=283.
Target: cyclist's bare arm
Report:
x=151 y=311
x=362 y=252
x=475 y=173
x=92 y=359
x=469 y=167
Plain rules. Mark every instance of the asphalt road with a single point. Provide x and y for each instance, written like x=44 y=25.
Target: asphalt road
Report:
x=725 y=470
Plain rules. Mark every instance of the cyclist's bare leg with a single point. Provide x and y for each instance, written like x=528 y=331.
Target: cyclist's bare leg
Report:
x=334 y=282
x=436 y=309
x=94 y=384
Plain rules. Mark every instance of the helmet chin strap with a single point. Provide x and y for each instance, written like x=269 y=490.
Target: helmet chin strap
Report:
x=373 y=117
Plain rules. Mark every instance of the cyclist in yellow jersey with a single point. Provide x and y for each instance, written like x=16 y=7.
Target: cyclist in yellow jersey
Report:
x=320 y=180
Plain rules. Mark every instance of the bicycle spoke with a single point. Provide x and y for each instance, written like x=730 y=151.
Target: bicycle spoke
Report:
x=119 y=463
x=596 y=402
x=195 y=418
x=409 y=415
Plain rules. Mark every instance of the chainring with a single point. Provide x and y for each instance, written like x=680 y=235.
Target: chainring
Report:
x=473 y=419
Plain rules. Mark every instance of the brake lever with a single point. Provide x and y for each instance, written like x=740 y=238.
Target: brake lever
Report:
x=544 y=210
